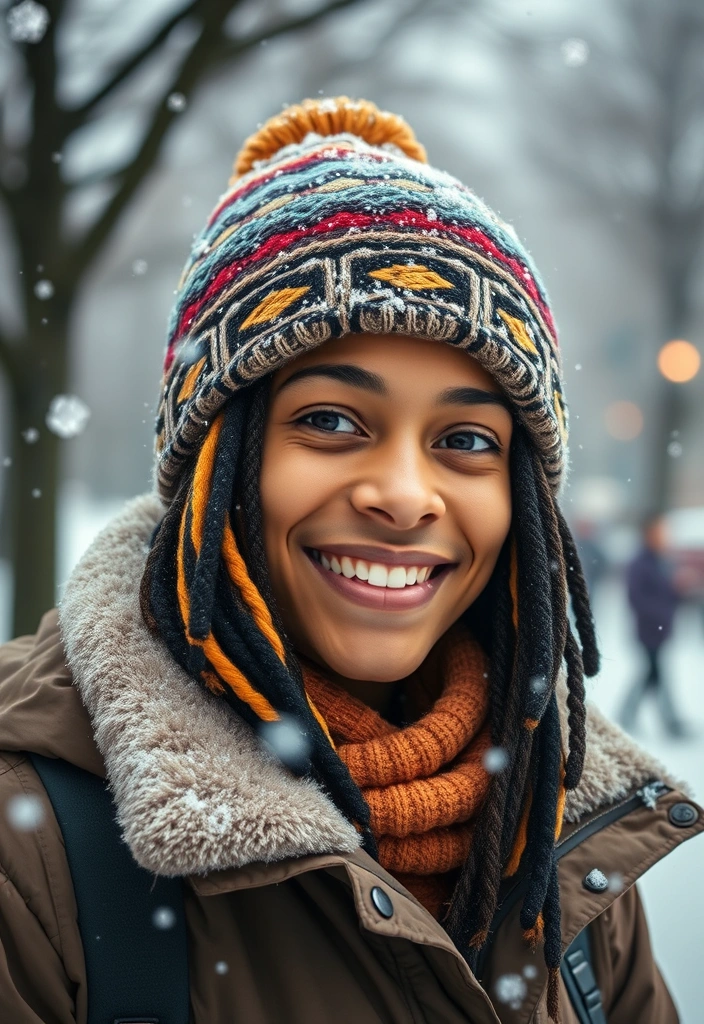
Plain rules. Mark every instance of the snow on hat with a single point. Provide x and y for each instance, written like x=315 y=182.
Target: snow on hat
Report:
x=335 y=224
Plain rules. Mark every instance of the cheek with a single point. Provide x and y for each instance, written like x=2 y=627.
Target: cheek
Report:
x=292 y=488
x=485 y=520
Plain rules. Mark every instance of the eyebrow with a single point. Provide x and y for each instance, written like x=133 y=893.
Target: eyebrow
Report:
x=346 y=373
x=365 y=380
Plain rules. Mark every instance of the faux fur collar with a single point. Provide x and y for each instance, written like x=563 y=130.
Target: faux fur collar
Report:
x=194 y=788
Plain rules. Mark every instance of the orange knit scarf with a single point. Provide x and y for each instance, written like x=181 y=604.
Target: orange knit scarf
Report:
x=424 y=782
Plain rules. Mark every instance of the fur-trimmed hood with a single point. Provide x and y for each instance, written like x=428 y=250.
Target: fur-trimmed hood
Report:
x=195 y=789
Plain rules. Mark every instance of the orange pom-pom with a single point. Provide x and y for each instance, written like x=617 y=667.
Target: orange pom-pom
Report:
x=327 y=117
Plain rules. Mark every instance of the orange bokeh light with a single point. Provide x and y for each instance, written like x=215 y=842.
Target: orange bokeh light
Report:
x=679 y=361
x=624 y=420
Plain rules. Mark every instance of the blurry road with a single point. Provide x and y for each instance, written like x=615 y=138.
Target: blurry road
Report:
x=673 y=890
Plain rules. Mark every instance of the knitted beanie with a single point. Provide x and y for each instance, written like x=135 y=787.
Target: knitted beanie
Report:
x=335 y=224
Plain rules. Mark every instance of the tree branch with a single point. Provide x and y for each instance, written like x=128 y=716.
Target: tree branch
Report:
x=236 y=47
x=77 y=115
x=208 y=52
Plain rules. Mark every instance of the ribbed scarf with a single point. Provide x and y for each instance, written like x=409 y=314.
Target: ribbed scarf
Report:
x=423 y=782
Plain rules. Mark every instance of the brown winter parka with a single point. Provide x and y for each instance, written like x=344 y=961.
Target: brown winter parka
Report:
x=276 y=887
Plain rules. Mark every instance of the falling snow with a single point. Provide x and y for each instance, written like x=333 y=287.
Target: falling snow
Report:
x=27 y=22
x=616 y=882
x=674 y=449
x=495 y=760
x=44 y=289
x=67 y=416
x=24 y=813
x=176 y=102
x=140 y=267
x=163 y=918
x=30 y=435
x=221 y=967
x=538 y=684
x=511 y=989
x=286 y=740
x=36 y=492
x=575 y=52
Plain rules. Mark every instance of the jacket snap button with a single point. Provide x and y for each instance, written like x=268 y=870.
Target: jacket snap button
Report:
x=683 y=815
x=382 y=902
x=596 y=881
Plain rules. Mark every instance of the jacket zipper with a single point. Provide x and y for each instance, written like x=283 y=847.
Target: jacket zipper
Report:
x=646 y=796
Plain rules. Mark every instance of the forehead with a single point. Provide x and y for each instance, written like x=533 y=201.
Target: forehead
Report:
x=401 y=360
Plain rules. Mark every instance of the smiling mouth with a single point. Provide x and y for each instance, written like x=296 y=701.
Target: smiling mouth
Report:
x=377 y=574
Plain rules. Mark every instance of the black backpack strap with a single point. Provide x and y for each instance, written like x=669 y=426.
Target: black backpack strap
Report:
x=580 y=981
x=132 y=923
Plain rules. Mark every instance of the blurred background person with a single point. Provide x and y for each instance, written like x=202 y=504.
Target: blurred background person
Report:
x=653 y=598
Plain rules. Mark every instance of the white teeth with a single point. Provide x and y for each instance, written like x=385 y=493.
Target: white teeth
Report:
x=378 y=575
x=395 y=577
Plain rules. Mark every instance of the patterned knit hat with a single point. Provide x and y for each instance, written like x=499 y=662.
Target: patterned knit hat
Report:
x=334 y=224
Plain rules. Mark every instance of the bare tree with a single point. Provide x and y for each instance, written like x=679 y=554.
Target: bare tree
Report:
x=630 y=138
x=53 y=260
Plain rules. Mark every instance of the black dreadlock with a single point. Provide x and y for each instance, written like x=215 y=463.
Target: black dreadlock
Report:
x=215 y=610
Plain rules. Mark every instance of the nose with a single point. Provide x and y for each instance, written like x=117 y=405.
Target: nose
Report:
x=398 y=487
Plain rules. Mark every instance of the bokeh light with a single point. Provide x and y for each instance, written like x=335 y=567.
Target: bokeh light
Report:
x=624 y=420
x=678 y=361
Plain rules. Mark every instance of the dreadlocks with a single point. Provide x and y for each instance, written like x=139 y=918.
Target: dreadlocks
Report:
x=206 y=591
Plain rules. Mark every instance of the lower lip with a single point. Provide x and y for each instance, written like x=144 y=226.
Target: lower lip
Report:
x=389 y=599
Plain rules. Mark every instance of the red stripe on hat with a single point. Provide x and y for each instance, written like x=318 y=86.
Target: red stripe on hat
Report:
x=402 y=218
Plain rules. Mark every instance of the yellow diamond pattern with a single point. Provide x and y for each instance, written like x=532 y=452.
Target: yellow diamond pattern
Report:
x=519 y=331
x=273 y=305
x=413 y=276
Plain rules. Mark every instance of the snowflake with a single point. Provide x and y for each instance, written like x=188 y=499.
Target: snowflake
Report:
x=575 y=52
x=67 y=416
x=163 y=918
x=27 y=22
x=176 y=102
x=495 y=760
x=511 y=989
x=44 y=290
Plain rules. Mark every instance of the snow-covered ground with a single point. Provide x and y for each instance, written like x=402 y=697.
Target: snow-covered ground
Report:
x=672 y=890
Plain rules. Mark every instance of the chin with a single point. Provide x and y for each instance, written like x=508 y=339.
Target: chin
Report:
x=374 y=660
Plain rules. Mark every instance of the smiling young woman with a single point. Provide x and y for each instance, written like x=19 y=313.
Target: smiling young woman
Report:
x=385 y=461
x=329 y=671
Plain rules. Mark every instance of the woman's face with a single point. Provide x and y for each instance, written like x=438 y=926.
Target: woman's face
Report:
x=386 y=498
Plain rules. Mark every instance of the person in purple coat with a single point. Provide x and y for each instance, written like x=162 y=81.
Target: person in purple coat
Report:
x=653 y=598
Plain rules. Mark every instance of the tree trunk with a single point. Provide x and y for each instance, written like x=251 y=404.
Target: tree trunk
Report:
x=36 y=470
x=678 y=252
